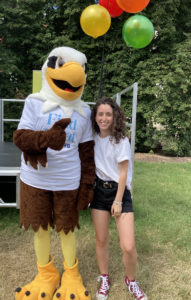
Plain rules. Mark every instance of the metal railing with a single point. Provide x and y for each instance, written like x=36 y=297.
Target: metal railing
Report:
x=2 y=115
x=131 y=125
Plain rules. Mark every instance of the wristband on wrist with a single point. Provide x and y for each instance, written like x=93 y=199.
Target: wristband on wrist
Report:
x=117 y=202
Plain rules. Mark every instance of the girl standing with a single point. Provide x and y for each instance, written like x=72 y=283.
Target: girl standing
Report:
x=112 y=194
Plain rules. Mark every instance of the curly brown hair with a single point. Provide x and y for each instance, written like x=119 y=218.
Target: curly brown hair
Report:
x=118 y=126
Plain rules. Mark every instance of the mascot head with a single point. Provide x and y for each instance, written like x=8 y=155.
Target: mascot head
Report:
x=63 y=80
x=64 y=71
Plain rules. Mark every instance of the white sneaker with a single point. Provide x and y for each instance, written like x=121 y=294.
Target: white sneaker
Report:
x=103 y=290
x=135 y=290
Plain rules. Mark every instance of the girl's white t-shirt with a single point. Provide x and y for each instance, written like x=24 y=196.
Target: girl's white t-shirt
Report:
x=108 y=155
x=63 y=171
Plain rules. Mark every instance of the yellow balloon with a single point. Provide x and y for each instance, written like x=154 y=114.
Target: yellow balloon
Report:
x=95 y=20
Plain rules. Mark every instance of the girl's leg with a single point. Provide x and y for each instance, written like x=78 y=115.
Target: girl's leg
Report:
x=125 y=226
x=101 y=224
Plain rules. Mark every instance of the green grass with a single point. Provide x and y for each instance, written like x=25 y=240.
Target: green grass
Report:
x=162 y=204
x=9 y=218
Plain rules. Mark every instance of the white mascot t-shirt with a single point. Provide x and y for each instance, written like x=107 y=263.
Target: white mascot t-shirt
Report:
x=107 y=156
x=63 y=171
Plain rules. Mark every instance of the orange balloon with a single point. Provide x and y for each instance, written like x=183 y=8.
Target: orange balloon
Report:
x=132 y=6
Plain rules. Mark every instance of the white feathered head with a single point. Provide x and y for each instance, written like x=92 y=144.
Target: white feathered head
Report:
x=63 y=81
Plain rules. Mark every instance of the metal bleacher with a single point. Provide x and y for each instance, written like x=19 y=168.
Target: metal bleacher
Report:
x=10 y=159
x=9 y=168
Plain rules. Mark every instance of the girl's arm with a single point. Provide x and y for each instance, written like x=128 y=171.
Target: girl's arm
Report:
x=117 y=203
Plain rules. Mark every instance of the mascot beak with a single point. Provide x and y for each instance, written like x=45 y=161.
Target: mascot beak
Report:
x=67 y=81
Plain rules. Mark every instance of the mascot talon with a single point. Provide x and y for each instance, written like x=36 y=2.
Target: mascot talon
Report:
x=71 y=285
x=42 y=287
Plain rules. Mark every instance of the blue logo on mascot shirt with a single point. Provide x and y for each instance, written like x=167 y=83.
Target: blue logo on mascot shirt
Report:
x=70 y=133
x=70 y=129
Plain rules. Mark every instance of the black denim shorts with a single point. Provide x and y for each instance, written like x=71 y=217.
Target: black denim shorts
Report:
x=104 y=195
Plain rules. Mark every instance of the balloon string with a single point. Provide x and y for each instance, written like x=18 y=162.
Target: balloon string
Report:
x=101 y=71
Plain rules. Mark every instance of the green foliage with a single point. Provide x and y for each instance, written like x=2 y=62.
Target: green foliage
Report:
x=165 y=82
x=31 y=28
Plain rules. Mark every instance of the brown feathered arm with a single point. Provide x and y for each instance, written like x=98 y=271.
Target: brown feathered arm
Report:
x=85 y=194
x=34 y=144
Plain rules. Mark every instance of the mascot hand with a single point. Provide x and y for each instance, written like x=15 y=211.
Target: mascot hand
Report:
x=34 y=159
x=85 y=196
x=56 y=136
x=35 y=142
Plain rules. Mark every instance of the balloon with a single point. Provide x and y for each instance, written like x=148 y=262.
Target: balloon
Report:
x=138 y=31
x=112 y=7
x=132 y=6
x=95 y=20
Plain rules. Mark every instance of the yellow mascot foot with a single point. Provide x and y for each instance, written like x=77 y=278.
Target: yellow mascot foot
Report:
x=43 y=286
x=71 y=285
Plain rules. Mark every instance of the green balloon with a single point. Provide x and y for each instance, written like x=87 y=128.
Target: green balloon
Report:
x=138 y=31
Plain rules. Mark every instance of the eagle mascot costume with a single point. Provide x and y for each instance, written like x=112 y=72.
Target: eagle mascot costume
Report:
x=57 y=172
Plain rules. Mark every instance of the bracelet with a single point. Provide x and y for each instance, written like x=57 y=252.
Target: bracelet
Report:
x=117 y=202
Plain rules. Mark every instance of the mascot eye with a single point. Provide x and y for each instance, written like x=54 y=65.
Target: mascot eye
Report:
x=60 y=62
x=85 y=68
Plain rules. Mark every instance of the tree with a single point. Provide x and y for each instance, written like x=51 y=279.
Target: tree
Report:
x=165 y=81
x=31 y=28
